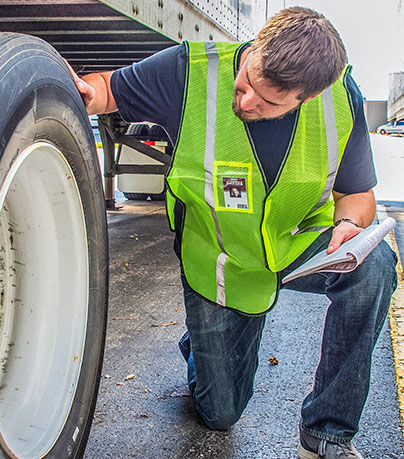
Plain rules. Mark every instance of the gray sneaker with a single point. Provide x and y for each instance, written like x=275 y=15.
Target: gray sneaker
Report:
x=327 y=450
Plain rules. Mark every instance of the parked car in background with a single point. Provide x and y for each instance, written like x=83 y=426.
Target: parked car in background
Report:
x=392 y=127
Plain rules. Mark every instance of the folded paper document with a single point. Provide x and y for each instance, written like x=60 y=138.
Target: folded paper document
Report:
x=348 y=256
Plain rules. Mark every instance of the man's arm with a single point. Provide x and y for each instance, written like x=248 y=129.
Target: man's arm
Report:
x=95 y=89
x=359 y=207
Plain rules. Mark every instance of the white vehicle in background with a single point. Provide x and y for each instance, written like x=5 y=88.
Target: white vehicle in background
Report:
x=143 y=186
x=392 y=127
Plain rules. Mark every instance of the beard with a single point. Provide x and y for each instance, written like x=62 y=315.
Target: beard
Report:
x=243 y=116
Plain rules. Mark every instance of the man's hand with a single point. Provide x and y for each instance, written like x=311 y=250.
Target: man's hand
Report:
x=342 y=233
x=359 y=207
x=86 y=91
x=96 y=92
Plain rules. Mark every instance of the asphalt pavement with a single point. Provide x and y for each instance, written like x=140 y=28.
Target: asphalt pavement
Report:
x=144 y=409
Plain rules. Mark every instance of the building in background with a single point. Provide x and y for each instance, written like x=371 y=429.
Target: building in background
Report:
x=396 y=96
x=376 y=113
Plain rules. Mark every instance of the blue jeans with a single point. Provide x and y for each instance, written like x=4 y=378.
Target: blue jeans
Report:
x=223 y=347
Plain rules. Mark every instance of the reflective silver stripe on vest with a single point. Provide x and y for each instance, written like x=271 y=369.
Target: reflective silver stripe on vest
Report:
x=211 y=104
x=310 y=229
x=211 y=90
x=220 y=262
x=332 y=146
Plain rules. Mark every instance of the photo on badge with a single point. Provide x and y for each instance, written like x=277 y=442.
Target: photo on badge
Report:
x=235 y=192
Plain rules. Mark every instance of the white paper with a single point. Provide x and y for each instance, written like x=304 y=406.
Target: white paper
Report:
x=347 y=257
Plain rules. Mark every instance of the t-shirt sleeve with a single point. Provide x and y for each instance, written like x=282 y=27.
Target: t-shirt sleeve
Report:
x=356 y=173
x=153 y=89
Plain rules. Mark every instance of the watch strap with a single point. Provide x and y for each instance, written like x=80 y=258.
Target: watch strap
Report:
x=348 y=220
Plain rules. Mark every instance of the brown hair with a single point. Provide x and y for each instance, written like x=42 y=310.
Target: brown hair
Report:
x=300 y=49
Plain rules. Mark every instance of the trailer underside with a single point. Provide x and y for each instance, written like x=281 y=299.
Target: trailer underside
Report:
x=90 y=35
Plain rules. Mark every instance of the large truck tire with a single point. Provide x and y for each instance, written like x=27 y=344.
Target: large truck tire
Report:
x=53 y=256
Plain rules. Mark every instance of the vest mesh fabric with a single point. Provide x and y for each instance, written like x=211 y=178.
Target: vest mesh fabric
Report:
x=298 y=187
x=223 y=253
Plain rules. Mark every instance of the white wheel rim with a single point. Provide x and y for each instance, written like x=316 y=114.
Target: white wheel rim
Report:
x=43 y=299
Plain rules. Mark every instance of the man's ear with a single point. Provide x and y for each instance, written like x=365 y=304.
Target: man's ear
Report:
x=311 y=97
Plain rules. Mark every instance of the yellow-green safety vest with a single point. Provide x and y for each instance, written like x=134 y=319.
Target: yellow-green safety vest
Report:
x=237 y=233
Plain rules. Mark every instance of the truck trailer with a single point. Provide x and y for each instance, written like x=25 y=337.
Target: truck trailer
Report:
x=53 y=230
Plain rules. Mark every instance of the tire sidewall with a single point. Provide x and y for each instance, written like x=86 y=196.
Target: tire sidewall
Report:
x=42 y=104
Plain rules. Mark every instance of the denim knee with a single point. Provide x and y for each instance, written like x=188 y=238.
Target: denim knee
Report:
x=221 y=413
x=222 y=421
x=381 y=266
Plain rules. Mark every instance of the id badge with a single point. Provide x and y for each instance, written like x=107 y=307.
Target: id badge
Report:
x=232 y=183
x=235 y=193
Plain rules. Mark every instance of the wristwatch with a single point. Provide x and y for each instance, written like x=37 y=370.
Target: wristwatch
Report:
x=345 y=220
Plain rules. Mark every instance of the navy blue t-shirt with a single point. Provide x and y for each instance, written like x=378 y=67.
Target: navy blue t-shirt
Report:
x=153 y=90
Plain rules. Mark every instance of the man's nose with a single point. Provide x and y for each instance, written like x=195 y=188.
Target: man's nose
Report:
x=248 y=101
